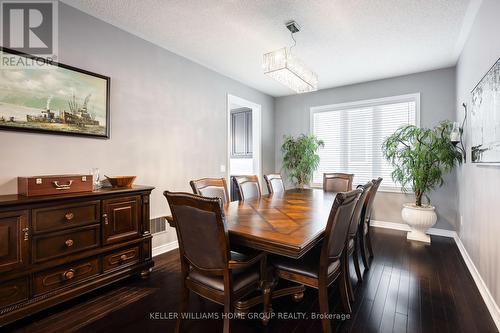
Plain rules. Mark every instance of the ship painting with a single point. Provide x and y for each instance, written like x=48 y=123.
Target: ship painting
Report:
x=77 y=115
x=56 y=99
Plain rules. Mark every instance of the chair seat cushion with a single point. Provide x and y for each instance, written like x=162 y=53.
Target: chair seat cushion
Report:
x=241 y=277
x=308 y=265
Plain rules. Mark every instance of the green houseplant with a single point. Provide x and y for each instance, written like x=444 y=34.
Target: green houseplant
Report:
x=300 y=157
x=421 y=157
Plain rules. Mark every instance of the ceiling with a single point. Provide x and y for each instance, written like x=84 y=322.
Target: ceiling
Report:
x=344 y=41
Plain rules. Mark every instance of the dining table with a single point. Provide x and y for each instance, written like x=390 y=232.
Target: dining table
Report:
x=287 y=223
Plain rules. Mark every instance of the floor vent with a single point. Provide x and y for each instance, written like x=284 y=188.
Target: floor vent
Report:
x=158 y=225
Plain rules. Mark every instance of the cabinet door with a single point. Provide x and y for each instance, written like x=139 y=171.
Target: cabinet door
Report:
x=241 y=134
x=122 y=219
x=14 y=237
x=248 y=132
x=239 y=130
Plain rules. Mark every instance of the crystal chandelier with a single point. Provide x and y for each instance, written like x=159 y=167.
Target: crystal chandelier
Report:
x=285 y=68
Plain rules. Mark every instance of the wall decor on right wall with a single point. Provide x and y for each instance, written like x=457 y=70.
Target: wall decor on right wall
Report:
x=485 y=118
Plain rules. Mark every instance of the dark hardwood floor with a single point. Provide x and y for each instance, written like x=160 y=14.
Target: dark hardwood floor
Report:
x=410 y=287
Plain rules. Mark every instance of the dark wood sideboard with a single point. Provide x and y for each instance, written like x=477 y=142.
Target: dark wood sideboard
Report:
x=54 y=248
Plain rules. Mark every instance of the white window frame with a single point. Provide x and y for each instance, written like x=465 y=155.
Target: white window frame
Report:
x=415 y=97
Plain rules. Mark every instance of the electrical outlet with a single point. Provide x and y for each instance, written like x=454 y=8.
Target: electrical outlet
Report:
x=461 y=221
x=222 y=168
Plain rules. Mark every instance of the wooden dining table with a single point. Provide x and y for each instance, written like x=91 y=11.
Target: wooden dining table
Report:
x=287 y=223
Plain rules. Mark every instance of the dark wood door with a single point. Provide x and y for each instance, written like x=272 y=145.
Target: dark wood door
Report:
x=121 y=217
x=14 y=239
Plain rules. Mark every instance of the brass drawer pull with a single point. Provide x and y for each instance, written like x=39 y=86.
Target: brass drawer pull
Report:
x=26 y=233
x=123 y=257
x=69 y=274
x=69 y=216
x=69 y=243
x=62 y=186
x=105 y=218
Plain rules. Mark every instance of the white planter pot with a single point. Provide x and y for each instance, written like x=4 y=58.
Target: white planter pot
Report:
x=419 y=219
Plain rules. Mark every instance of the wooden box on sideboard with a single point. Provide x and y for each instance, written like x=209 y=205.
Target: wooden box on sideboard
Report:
x=55 y=184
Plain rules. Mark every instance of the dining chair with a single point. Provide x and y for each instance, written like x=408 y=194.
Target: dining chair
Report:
x=364 y=225
x=208 y=267
x=248 y=186
x=337 y=182
x=324 y=263
x=211 y=187
x=274 y=183
x=352 y=238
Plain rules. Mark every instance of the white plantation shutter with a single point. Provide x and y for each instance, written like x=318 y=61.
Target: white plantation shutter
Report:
x=353 y=134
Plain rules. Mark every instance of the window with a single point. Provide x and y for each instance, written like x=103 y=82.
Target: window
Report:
x=353 y=134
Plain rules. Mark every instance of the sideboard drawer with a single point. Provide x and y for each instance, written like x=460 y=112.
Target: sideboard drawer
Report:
x=65 y=275
x=54 y=245
x=121 y=258
x=65 y=216
x=14 y=291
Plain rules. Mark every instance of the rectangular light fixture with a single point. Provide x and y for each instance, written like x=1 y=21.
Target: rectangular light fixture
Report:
x=289 y=71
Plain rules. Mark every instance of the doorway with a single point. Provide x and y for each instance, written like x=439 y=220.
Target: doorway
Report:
x=243 y=138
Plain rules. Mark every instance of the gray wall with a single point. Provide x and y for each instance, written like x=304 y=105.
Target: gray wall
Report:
x=437 y=103
x=478 y=185
x=166 y=115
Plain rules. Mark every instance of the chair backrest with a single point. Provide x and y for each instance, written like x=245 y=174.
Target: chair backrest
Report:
x=356 y=215
x=337 y=182
x=248 y=186
x=201 y=231
x=211 y=187
x=368 y=205
x=274 y=183
x=338 y=225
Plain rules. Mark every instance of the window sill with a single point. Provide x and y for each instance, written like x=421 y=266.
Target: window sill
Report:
x=381 y=189
x=241 y=156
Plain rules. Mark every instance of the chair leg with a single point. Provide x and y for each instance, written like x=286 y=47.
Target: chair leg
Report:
x=266 y=295
x=344 y=294
x=266 y=284
x=355 y=259
x=369 y=242
x=227 y=312
x=350 y=291
x=323 y=308
x=362 y=248
x=183 y=308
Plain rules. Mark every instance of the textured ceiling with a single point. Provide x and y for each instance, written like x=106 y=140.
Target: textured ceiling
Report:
x=344 y=41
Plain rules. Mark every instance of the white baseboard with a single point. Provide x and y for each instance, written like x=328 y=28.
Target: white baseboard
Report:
x=164 y=248
x=481 y=285
x=389 y=225
x=406 y=227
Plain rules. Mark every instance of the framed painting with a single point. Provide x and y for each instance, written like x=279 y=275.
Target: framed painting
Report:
x=52 y=98
x=485 y=118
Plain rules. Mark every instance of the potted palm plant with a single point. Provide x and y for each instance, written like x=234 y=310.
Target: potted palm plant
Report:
x=420 y=157
x=300 y=157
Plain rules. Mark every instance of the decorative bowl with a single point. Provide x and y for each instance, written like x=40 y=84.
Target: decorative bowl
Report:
x=121 y=181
